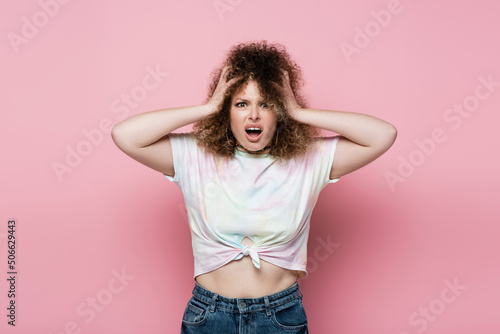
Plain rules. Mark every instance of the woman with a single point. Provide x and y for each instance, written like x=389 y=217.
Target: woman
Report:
x=251 y=172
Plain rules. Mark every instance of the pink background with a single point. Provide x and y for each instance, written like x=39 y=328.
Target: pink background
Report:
x=419 y=219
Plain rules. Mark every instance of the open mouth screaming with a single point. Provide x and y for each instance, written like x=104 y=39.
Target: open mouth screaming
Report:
x=253 y=132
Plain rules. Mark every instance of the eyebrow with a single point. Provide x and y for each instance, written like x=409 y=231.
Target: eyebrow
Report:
x=245 y=100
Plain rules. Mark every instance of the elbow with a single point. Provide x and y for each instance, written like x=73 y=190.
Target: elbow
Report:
x=390 y=135
x=114 y=133
x=385 y=137
x=117 y=136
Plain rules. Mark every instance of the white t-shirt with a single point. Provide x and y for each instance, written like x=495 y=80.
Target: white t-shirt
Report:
x=250 y=195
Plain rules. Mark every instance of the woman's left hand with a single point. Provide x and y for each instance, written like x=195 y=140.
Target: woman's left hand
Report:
x=291 y=104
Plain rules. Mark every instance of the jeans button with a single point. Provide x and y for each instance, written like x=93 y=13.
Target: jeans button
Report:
x=243 y=304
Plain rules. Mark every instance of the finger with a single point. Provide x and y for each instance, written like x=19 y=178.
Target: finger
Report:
x=225 y=70
x=277 y=85
x=222 y=77
x=285 y=74
x=233 y=80
x=287 y=81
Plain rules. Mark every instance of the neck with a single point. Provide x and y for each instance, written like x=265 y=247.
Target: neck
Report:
x=241 y=148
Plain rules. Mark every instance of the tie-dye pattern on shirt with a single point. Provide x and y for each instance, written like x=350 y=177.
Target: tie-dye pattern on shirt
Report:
x=251 y=195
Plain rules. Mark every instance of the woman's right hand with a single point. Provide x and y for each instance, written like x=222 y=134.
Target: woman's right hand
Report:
x=222 y=86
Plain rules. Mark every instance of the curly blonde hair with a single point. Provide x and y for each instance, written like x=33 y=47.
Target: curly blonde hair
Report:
x=263 y=63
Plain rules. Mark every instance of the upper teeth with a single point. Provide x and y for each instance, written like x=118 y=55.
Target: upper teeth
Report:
x=253 y=129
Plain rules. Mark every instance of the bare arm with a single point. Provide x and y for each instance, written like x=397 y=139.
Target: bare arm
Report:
x=144 y=138
x=364 y=137
x=144 y=129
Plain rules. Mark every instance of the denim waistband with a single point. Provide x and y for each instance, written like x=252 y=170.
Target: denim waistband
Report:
x=245 y=305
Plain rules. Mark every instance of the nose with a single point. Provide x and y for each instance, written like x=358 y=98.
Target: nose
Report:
x=254 y=112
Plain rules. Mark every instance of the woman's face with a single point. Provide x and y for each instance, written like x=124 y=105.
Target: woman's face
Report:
x=249 y=110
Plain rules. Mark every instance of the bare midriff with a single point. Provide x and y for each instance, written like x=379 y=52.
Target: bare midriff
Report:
x=241 y=279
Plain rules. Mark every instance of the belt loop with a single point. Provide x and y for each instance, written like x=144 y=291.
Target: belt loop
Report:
x=301 y=294
x=268 y=309
x=214 y=298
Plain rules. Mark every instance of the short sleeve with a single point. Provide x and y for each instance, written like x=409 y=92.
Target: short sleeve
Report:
x=331 y=155
x=183 y=149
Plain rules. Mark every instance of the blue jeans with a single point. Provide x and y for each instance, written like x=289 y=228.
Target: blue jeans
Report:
x=208 y=313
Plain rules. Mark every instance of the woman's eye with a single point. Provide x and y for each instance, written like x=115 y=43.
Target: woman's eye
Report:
x=244 y=104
